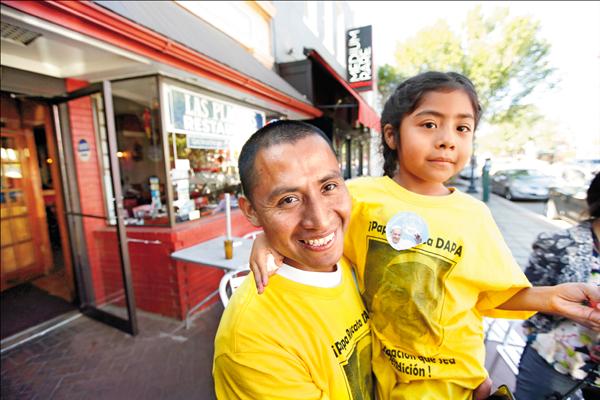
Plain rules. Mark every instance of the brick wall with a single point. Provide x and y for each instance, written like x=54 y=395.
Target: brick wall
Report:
x=89 y=181
x=162 y=285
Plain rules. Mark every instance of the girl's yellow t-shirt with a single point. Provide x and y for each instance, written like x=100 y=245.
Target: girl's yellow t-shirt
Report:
x=427 y=303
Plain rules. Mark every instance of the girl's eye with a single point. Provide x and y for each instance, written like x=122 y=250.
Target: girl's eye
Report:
x=329 y=187
x=464 y=129
x=429 y=125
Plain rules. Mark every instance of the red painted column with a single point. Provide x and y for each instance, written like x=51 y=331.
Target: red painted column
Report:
x=89 y=181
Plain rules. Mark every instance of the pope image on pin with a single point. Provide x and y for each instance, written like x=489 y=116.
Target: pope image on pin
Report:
x=405 y=230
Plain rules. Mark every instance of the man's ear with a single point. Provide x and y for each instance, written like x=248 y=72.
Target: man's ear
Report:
x=389 y=135
x=248 y=211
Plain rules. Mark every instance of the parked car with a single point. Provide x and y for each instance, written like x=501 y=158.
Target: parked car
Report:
x=567 y=203
x=590 y=164
x=567 y=199
x=465 y=173
x=527 y=184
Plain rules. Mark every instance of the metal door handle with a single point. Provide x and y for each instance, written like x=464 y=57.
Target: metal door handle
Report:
x=144 y=241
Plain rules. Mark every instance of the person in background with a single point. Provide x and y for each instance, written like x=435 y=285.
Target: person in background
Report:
x=557 y=348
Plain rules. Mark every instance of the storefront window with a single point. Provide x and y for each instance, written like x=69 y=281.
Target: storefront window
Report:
x=206 y=135
x=356 y=147
x=140 y=150
x=353 y=155
x=366 y=150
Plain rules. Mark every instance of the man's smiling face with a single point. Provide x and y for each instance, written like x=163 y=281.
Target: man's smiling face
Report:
x=301 y=202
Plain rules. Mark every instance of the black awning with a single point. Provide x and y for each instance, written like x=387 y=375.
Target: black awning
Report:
x=322 y=85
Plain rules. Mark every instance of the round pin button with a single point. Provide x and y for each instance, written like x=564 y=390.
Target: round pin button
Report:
x=405 y=230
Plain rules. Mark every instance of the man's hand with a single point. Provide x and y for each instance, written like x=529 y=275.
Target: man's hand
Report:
x=264 y=262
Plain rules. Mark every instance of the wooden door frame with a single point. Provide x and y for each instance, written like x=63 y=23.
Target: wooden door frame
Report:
x=22 y=124
x=65 y=240
x=34 y=203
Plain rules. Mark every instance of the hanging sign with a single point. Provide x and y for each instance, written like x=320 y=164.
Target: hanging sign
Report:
x=359 y=58
x=83 y=150
x=209 y=123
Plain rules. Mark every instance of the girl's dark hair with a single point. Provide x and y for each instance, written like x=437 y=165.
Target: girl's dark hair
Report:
x=406 y=99
x=593 y=197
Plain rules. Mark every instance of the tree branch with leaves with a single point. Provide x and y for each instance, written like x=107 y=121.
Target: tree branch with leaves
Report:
x=504 y=56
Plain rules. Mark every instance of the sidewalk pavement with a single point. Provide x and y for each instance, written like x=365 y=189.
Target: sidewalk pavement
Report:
x=89 y=360
x=518 y=225
x=86 y=359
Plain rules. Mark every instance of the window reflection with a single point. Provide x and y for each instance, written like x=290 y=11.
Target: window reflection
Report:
x=201 y=178
x=140 y=153
x=206 y=135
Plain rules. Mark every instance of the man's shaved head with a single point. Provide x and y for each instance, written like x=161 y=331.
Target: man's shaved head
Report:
x=275 y=133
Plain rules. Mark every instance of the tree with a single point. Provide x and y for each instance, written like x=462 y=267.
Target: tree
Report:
x=511 y=138
x=503 y=56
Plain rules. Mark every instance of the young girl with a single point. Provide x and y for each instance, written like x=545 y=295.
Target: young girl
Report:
x=427 y=302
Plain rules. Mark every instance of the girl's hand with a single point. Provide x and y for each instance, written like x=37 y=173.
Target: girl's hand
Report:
x=595 y=353
x=264 y=262
x=578 y=302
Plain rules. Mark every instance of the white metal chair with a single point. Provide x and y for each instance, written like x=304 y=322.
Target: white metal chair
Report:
x=510 y=342
x=230 y=282
x=233 y=279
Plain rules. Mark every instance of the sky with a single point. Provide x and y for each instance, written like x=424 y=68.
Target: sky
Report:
x=572 y=28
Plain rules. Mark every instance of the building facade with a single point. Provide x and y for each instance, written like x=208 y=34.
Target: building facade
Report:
x=310 y=49
x=121 y=126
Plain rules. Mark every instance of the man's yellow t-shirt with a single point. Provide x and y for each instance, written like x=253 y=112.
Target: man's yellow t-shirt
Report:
x=294 y=341
x=426 y=303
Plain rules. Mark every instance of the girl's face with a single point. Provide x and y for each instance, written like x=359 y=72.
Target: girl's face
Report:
x=436 y=141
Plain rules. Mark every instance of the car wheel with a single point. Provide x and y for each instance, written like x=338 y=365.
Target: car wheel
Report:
x=551 y=212
x=508 y=195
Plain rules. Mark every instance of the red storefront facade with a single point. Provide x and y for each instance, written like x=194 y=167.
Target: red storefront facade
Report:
x=117 y=231
x=160 y=284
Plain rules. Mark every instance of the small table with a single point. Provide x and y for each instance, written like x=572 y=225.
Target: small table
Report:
x=212 y=254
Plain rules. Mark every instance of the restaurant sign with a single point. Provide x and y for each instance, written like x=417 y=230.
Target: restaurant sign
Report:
x=208 y=123
x=359 y=58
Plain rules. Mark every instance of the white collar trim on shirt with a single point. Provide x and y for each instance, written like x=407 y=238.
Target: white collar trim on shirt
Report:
x=311 y=278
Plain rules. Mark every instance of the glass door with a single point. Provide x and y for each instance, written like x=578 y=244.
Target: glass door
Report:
x=85 y=130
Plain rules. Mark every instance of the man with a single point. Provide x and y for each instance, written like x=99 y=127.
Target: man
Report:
x=308 y=336
x=396 y=235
